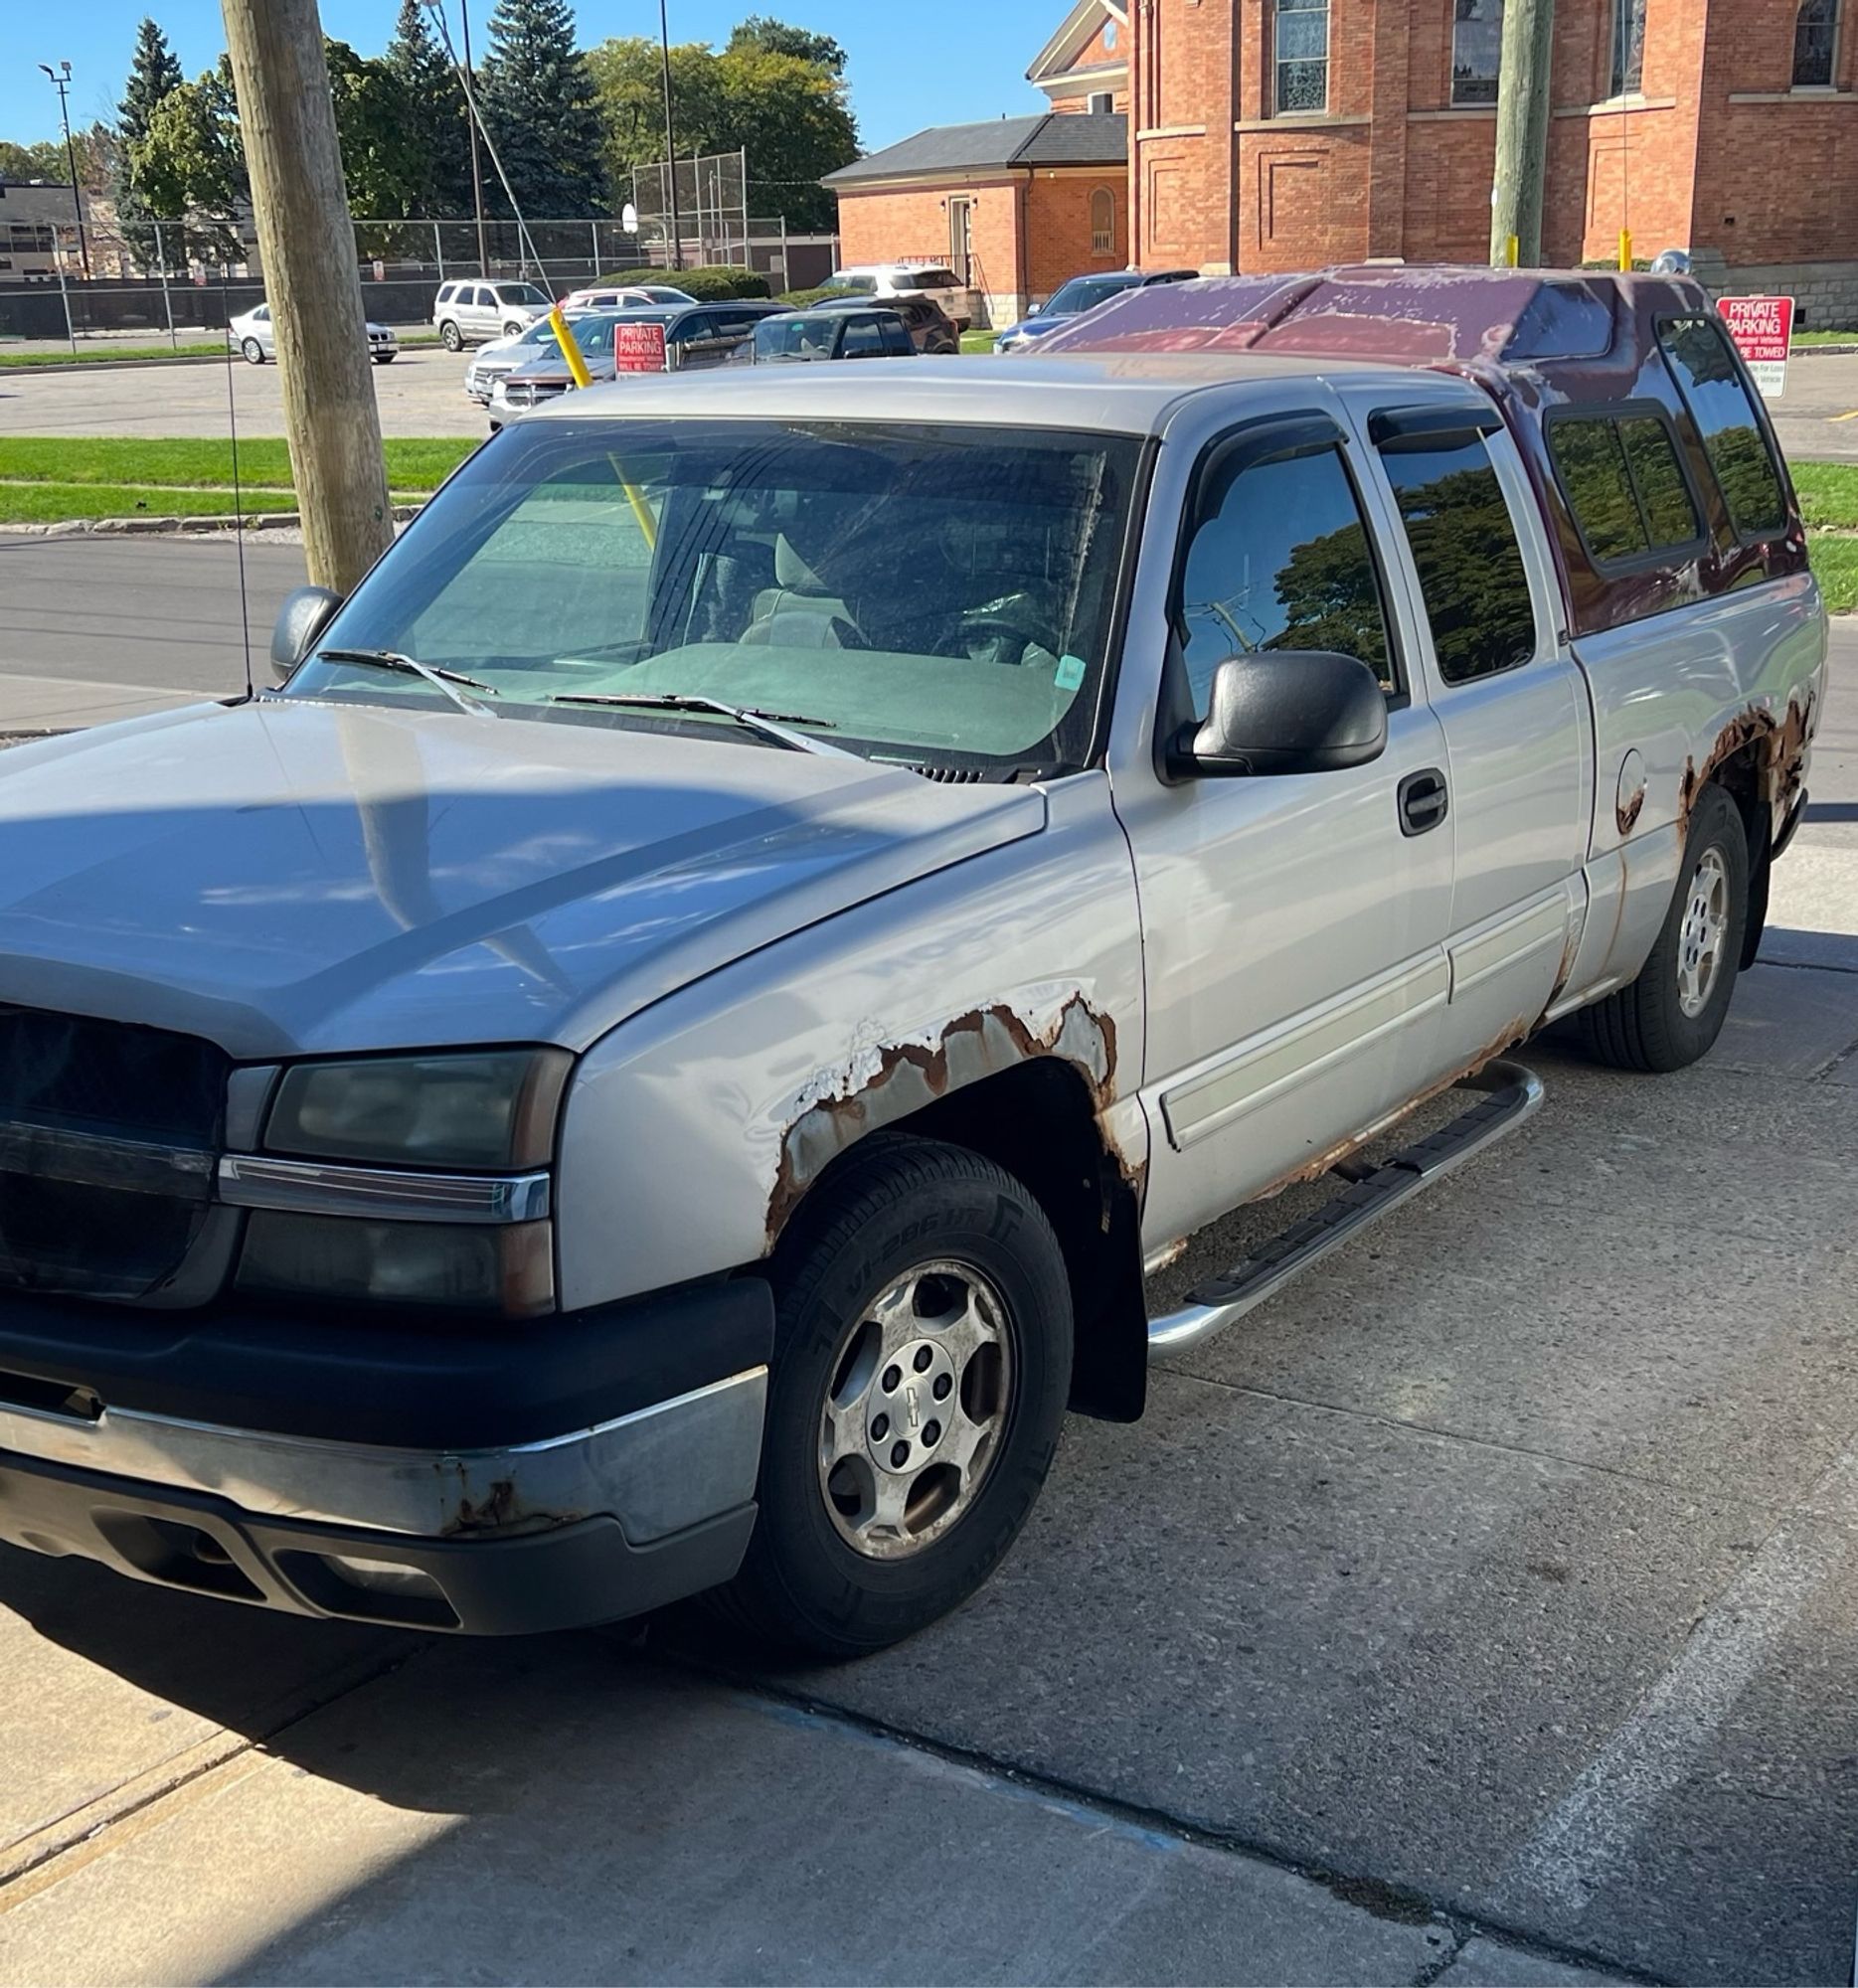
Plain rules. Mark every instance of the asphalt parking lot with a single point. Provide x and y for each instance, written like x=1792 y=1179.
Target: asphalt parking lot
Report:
x=1480 y=1611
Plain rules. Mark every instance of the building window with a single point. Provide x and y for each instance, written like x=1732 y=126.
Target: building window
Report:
x=1628 y=47
x=1301 y=49
x=1101 y=103
x=1476 y=51
x=1816 y=44
x=1102 y=222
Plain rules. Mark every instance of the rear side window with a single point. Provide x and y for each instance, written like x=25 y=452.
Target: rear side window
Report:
x=862 y=338
x=1280 y=559
x=1713 y=388
x=1464 y=544
x=1624 y=485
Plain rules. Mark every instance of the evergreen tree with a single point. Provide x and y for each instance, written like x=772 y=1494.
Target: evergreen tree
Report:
x=154 y=74
x=763 y=33
x=433 y=104
x=538 y=100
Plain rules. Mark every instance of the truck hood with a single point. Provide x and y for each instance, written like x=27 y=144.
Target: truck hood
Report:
x=289 y=878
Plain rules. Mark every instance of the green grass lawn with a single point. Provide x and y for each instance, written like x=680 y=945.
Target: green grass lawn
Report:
x=1810 y=338
x=412 y=463
x=1836 y=566
x=55 y=503
x=978 y=341
x=88 y=355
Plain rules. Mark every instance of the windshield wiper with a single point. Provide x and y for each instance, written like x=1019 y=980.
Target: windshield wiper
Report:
x=770 y=723
x=442 y=681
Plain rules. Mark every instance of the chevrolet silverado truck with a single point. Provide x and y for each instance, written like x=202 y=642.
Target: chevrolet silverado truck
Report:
x=658 y=1057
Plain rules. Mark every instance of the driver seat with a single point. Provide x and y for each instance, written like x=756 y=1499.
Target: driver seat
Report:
x=797 y=613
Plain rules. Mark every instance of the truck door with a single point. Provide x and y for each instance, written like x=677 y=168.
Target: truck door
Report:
x=1517 y=727
x=1294 y=926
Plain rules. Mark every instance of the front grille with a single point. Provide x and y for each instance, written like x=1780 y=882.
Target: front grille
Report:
x=108 y=1134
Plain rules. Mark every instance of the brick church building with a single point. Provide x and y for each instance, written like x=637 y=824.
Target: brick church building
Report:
x=1282 y=134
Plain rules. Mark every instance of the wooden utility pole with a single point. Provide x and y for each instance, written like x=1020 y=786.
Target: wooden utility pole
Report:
x=1522 y=131
x=312 y=285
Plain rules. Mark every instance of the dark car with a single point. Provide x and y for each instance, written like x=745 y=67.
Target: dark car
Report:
x=674 y=339
x=1080 y=294
x=800 y=336
x=931 y=328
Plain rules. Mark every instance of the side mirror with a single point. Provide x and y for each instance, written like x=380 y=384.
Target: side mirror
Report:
x=303 y=616
x=1285 y=711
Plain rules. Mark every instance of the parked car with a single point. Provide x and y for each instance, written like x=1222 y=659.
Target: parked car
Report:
x=660 y=1059
x=501 y=357
x=641 y=342
x=904 y=280
x=625 y=296
x=1079 y=294
x=468 y=312
x=799 y=336
x=252 y=333
x=931 y=328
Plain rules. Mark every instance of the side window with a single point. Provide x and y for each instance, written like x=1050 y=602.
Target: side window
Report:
x=897 y=340
x=863 y=340
x=1711 y=387
x=1464 y=544
x=1280 y=559
x=1625 y=484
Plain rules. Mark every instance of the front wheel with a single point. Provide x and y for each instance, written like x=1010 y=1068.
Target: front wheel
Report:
x=513 y=328
x=450 y=337
x=254 y=351
x=1674 y=1011
x=922 y=1362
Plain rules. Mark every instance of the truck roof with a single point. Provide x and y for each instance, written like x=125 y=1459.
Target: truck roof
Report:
x=1126 y=394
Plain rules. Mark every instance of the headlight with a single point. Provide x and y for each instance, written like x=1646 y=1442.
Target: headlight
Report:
x=490 y=1112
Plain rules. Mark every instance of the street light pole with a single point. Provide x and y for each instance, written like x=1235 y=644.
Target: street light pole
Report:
x=477 y=170
x=62 y=83
x=670 y=140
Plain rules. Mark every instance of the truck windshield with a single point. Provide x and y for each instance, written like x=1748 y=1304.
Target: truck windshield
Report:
x=925 y=592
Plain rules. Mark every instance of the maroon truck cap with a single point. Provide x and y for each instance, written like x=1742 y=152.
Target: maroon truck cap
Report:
x=1538 y=341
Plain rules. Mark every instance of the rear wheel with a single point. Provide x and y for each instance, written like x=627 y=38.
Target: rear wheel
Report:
x=254 y=351
x=514 y=326
x=450 y=337
x=922 y=1358
x=1674 y=1011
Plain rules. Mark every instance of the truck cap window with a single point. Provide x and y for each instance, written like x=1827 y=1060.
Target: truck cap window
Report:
x=1282 y=562
x=1464 y=546
x=918 y=591
x=1712 y=386
x=1624 y=485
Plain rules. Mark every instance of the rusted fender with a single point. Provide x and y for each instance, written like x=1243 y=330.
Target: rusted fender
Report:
x=883 y=1082
x=1779 y=757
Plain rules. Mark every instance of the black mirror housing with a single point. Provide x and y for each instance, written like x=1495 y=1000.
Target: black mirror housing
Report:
x=303 y=616
x=1285 y=711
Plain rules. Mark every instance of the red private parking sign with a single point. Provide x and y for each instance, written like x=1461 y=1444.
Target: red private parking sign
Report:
x=1763 y=327
x=638 y=348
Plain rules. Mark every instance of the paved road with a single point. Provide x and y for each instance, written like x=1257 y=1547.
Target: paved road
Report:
x=1496 y=1584
x=421 y=394
x=1818 y=417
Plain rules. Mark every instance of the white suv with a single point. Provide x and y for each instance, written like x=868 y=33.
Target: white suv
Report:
x=468 y=311
x=913 y=279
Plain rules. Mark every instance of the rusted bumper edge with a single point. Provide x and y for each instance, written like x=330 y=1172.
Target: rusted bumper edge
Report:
x=586 y=1526
x=882 y=1083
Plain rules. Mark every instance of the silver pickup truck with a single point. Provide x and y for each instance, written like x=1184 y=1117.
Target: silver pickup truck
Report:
x=659 y=1059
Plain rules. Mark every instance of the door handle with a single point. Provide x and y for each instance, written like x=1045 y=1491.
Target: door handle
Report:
x=1423 y=801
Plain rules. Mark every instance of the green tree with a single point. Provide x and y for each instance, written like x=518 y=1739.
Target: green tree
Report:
x=778 y=38
x=380 y=155
x=153 y=73
x=792 y=121
x=432 y=108
x=43 y=161
x=189 y=165
x=538 y=98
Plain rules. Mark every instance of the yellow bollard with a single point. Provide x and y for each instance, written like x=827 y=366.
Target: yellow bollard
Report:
x=1515 y=251
x=1625 y=248
x=570 y=350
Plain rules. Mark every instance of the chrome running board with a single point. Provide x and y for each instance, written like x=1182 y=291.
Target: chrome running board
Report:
x=1511 y=1094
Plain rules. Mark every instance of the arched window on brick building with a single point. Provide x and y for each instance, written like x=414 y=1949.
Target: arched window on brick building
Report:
x=1628 y=47
x=1816 y=44
x=1102 y=222
x=1301 y=50
x=1476 y=51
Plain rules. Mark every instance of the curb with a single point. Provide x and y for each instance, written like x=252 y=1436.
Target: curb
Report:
x=86 y=528
x=143 y=365
x=1840 y=351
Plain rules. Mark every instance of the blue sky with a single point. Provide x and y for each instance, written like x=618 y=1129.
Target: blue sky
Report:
x=945 y=63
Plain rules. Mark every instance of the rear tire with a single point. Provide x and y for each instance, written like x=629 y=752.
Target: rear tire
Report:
x=450 y=337
x=922 y=1362
x=1672 y=1014
x=254 y=351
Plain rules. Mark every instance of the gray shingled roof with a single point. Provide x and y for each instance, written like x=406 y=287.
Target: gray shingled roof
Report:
x=1048 y=138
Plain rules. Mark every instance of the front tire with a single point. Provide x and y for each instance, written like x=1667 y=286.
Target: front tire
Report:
x=450 y=337
x=254 y=351
x=922 y=1364
x=1672 y=1014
